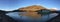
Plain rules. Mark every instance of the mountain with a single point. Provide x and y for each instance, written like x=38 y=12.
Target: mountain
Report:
x=32 y=8
x=30 y=11
x=2 y=11
x=4 y=17
x=52 y=10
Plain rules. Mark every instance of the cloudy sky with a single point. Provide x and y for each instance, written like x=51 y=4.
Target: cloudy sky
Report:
x=15 y=4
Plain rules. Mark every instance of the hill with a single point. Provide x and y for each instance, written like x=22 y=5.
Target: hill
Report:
x=32 y=8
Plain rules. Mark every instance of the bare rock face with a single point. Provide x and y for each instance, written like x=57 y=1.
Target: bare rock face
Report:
x=32 y=8
x=31 y=11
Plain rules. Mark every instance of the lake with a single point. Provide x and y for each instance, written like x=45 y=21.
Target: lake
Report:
x=18 y=16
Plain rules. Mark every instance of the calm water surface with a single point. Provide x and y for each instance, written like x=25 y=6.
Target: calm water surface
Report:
x=16 y=16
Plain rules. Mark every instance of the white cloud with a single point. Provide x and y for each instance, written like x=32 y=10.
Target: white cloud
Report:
x=55 y=8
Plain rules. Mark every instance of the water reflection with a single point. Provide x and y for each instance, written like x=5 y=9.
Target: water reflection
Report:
x=16 y=16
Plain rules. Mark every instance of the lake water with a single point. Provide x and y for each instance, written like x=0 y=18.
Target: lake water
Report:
x=16 y=16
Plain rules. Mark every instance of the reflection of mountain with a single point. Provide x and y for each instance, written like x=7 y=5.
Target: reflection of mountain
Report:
x=30 y=14
x=32 y=8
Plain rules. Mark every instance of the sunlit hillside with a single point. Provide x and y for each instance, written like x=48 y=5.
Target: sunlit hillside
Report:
x=30 y=11
x=32 y=8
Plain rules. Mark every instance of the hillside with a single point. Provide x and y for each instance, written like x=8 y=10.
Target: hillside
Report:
x=30 y=11
x=31 y=8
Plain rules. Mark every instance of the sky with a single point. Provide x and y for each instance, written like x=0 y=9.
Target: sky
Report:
x=9 y=5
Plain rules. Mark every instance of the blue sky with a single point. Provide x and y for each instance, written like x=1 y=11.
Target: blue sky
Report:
x=15 y=4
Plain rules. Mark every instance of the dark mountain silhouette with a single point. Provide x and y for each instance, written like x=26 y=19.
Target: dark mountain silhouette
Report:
x=14 y=11
x=17 y=11
x=55 y=19
x=4 y=17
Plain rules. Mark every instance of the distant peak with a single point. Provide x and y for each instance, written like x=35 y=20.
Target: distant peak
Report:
x=32 y=8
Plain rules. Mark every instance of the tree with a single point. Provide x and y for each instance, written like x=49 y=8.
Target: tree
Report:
x=44 y=11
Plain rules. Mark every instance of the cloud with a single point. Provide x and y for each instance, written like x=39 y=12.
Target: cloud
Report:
x=55 y=8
